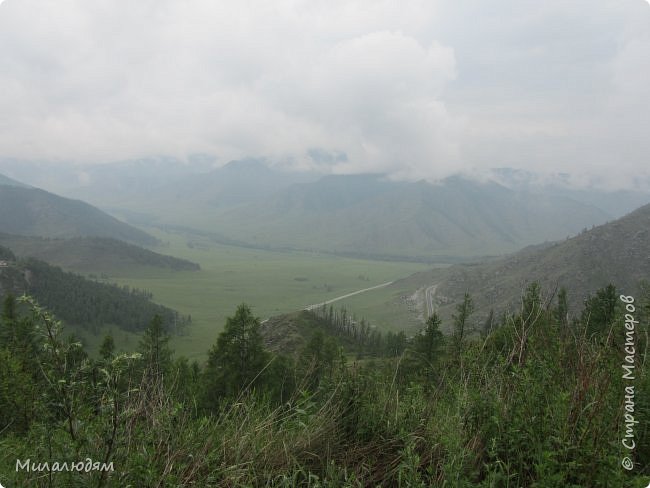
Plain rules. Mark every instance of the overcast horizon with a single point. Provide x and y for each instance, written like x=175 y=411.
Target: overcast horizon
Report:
x=421 y=90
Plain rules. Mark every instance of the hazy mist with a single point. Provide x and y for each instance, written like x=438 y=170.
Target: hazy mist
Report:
x=421 y=89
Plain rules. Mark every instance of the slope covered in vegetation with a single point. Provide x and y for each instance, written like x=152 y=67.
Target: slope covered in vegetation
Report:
x=539 y=400
x=85 y=303
x=616 y=252
x=31 y=211
x=96 y=254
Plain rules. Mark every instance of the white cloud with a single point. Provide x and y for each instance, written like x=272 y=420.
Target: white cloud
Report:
x=417 y=89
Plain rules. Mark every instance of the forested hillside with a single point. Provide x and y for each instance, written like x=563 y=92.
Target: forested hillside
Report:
x=85 y=303
x=617 y=252
x=538 y=400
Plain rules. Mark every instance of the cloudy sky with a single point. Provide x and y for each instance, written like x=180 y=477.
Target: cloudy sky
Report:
x=418 y=89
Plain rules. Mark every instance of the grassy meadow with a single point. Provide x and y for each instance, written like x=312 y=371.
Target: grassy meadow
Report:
x=271 y=282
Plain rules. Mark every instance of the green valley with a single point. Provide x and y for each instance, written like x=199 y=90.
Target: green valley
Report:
x=272 y=282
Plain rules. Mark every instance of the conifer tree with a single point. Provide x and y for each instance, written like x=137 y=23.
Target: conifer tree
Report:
x=464 y=310
x=428 y=347
x=600 y=310
x=562 y=311
x=107 y=349
x=237 y=359
x=154 y=348
x=489 y=324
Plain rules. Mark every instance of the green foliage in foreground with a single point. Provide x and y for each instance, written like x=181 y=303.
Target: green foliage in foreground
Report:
x=539 y=401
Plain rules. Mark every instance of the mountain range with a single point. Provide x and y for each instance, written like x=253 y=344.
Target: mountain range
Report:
x=371 y=216
x=253 y=203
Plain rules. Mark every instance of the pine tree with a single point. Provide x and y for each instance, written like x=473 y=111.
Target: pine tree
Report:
x=464 y=310
x=532 y=303
x=154 y=348
x=319 y=356
x=489 y=324
x=237 y=359
x=562 y=310
x=600 y=310
x=9 y=309
x=428 y=347
x=107 y=349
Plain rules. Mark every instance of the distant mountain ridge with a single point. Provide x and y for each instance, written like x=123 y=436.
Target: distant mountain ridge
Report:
x=250 y=202
x=238 y=182
x=370 y=215
x=616 y=202
x=162 y=182
x=35 y=212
